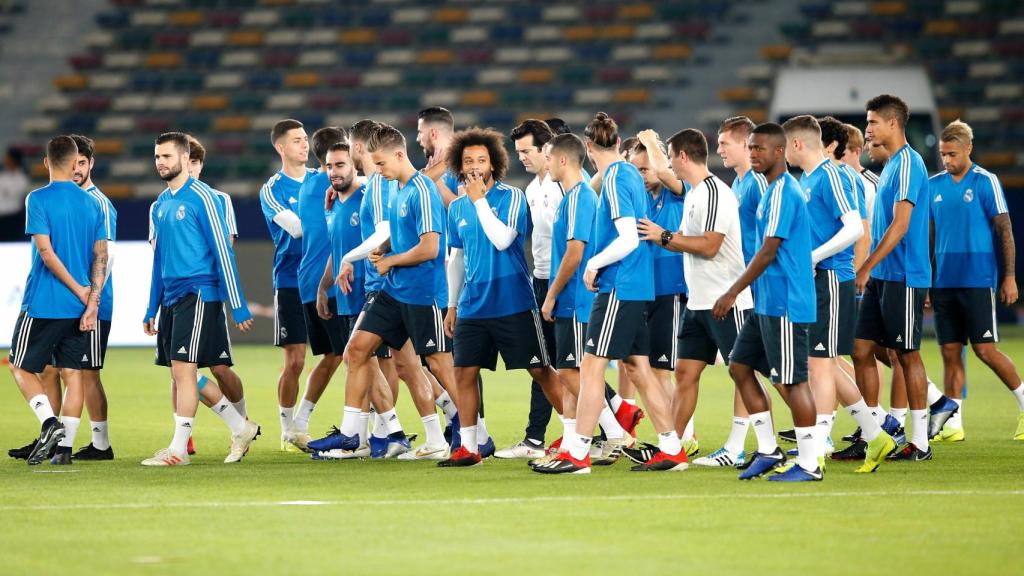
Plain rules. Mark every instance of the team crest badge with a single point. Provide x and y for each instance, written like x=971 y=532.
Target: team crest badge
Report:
x=403 y=210
x=354 y=220
x=969 y=195
x=180 y=214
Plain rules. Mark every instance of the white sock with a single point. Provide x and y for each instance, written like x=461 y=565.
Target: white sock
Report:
x=630 y=401
x=737 y=435
x=878 y=414
x=864 y=415
x=919 y=434
x=444 y=402
x=900 y=414
x=764 y=431
x=579 y=445
x=301 y=422
x=70 y=430
x=100 y=435
x=432 y=426
x=934 y=394
x=364 y=424
x=350 y=421
x=669 y=443
x=822 y=430
x=611 y=426
x=688 y=431
x=391 y=423
x=379 y=429
x=240 y=408
x=468 y=434
x=568 y=429
x=1018 y=393
x=229 y=415
x=286 y=418
x=481 y=430
x=956 y=421
x=40 y=404
x=615 y=403
x=182 y=432
x=807 y=446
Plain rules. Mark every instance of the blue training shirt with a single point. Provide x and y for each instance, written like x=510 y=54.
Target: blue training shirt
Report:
x=963 y=212
x=666 y=210
x=316 y=244
x=106 y=312
x=344 y=229
x=829 y=195
x=749 y=189
x=280 y=194
x=74 y=221
x=192 y=252
x=416 y=209
x=374 y=209
x=574 y=220
x=623 y=195
x=786 y=288
x=497 y=282
x=904 y=178
x=857 y=184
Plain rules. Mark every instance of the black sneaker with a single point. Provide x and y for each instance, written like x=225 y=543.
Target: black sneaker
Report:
x=62 y=457
x=51 y=434
x=911 y=453
x=853 y=436
x=788 y=435
x=564 y=463
x=856 y=451
x=91 y=452
x=641 y=453
x=23 y=452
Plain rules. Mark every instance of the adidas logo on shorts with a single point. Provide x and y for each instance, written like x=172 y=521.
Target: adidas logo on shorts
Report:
x=224 y=354
x=85 y=357
x=774 y=373
x=663 y=358
x=899 y=339
x=590 y=342
x=987 y=334
x=820 y=347
x=431 y=342
x=182 y=350
x=570 y=358
x=534 y=360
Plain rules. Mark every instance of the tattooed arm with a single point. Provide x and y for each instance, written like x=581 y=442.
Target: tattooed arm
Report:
x=97 y=276
x=1004 y=234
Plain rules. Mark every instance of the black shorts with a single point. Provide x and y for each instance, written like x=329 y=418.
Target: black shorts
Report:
x=289 y=317
x=774 y=346
x=384 y=352
x=663 y=317
x=832 y=334
x=96 y=346
x=540 y=292
x=41 y=341
x=396 y=322
x=890 y=314
x=617 y=328
x=519 y=338
x=702 y=337
x=193 y=331
x=569 y=337
x=963 y=314
x=325 y=336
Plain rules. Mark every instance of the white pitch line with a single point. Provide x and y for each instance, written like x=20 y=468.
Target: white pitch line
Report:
x=514 y=500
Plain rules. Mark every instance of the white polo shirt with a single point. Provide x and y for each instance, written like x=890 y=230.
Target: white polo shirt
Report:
x=543 y=196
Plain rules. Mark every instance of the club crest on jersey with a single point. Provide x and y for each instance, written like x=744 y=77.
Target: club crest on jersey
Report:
x=354 y=220
x=403 y=210
x=180 y=214
x=969 y=195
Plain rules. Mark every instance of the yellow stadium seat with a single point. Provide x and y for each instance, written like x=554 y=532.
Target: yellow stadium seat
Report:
x=108 y=147
x=636 y=12
x=997 y=159
x=118 y=190
x=479 y=98
x=232 y=124
x=738 y=94
x=69 y=82
x=672 y=52
x=186 y=19
x=434 y=57
x=358 y=36
x=942 y=28
x=210 y=102
x=632 y=96
x=949 y=113
x=579 y=33
x=536 y=76
x=758 y=115
x=776 y=51
x=245 y=38
x=302 y=80
x=163 y=60
x=617 y=32
x=450 y=15
x=889 y=8
x=39 y=171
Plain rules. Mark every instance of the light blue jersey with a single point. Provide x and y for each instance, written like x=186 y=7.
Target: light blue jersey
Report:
x=962 y=214
x=281 y=194
x=749 y=189
x=904 y=178
x=344 y=229
x=786 y=287
x=110 y=226
x=316 y=244
x=497 y=281
x=829 y=195
x=416 y=209
x=666 y=210
x=623 y=195
x=374 y=209
x=574 y=220
x=857 y=184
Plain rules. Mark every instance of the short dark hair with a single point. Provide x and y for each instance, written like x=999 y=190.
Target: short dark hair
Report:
x=341 y=145
x=558 y=126
x=85 y=145
x=384 y=137
x=323 y=139
x=740 y=125
x=772 y=130
x=196 y=151
x=180 y=139
x=362 y=130
x=803 y=123
x=602 y=131
x=691 y=141
x=539 y=129
x=486 y=137
x=570 y=145
x=437 y=115
x=626 y=145
x=888 y=106
x=833 y=130
x=282 y=127
x=61 y=150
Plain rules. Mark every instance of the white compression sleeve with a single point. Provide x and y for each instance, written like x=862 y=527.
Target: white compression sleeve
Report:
x=380 y=234
x=626 y=242
x=497 y=232
x=851 y=231
x=290 y=222
x=456 y=276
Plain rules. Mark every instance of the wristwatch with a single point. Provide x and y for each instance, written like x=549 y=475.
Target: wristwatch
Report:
x=666 y=237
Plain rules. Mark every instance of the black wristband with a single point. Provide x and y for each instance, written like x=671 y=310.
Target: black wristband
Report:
x=666 y=237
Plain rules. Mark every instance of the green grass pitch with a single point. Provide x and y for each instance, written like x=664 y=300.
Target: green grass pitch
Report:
x=280 y=513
